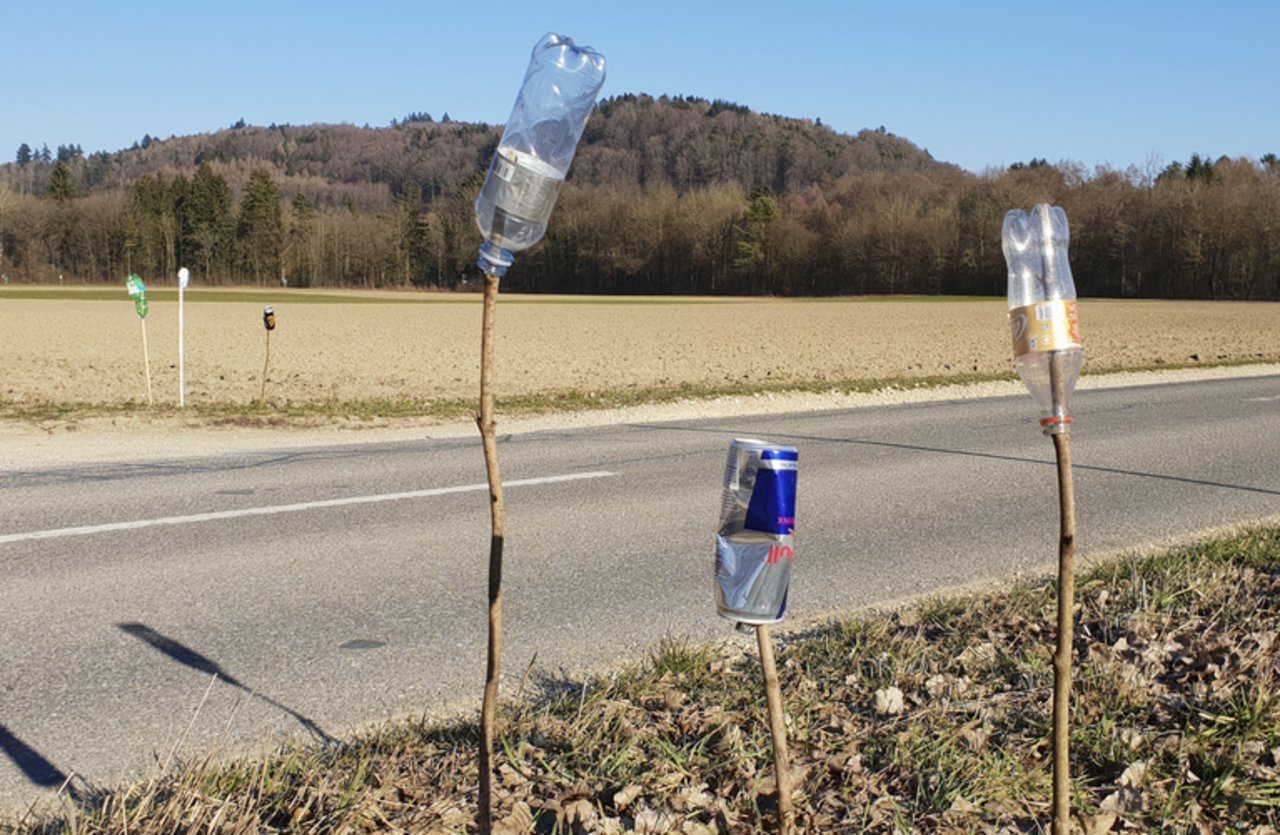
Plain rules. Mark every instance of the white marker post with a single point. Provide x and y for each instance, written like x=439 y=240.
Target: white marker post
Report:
x=184 y=277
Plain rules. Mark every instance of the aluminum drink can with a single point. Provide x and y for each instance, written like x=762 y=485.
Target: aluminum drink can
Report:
x=755 y=543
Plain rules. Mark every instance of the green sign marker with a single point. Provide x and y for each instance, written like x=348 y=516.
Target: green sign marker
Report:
x=139 y=292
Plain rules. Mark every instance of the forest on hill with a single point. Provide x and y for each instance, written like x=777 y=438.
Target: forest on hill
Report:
x=667 y=195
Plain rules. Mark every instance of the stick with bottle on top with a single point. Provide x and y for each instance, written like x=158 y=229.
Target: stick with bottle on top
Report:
x=519 y=192
x=138 y=291
x=1048 y=353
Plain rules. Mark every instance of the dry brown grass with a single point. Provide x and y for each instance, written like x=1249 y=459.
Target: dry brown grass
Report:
x=1176 y=727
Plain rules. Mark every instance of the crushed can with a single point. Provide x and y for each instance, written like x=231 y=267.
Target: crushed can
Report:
x=755 y=544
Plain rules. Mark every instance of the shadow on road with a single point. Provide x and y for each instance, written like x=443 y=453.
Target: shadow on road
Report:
x=188 y=657
x=33 y=764
x=1051 y=463
x=1048 y=462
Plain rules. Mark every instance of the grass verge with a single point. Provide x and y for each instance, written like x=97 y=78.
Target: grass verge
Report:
x=288 y=413
x=932 y=719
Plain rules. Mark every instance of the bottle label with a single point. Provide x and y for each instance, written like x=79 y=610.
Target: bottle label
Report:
x=1047 y=326
x=520 y=189
x=503 y=168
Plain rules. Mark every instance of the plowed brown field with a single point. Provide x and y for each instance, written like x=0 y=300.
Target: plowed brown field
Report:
x=83 y=351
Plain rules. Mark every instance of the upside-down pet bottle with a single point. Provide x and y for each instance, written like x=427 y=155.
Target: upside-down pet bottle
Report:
x=533 y=156
x=1045 y=324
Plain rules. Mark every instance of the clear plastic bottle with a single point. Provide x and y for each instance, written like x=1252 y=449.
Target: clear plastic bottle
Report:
x=1048 y=351
x=537 y=146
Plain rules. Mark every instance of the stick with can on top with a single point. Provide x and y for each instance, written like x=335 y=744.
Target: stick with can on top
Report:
x=755 y=546
x=268 y=322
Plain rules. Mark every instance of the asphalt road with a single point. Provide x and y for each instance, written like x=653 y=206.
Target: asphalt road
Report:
x=167 y=609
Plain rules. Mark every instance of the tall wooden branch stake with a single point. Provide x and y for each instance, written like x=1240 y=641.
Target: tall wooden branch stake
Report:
x=146 y=358
x=488 y=435
x=778 y=728
x=1066 y=620
x=265 y=363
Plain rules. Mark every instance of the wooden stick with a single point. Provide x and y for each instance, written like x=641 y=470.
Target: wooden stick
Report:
x=488 y=436
x=265 y=363
x=778 y=728
x=1066 y=620
x=146 y=358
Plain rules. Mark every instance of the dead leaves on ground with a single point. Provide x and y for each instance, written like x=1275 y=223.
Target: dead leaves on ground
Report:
x=935 y=720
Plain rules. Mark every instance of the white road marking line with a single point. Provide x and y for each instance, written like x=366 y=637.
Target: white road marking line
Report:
x=88 y=530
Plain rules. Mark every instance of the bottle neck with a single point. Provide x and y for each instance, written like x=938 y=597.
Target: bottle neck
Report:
x=495 y=260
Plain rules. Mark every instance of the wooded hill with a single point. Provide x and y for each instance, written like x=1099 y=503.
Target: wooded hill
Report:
x=667 y=195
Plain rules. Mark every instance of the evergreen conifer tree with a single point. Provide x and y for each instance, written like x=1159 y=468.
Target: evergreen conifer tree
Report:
x=260 y=228
x=60 y=188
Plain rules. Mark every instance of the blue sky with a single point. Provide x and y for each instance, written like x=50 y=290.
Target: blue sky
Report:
x=980 y=84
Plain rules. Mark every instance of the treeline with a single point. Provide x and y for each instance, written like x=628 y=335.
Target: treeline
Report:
x=669 y=195
x=1203 y=230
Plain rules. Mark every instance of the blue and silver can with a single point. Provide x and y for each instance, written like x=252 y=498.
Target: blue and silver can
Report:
x=755 y=544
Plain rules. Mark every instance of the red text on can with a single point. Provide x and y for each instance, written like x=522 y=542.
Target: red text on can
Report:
x=780 y=552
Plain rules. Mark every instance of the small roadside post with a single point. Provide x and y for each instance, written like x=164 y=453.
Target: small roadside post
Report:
x=531 y=161
x=1048 y=353
x=138 y=291
x=184 y=277
x=755 y=547
x=268 y=322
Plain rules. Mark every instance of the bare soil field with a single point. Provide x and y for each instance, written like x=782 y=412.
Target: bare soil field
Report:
x=74 y=350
